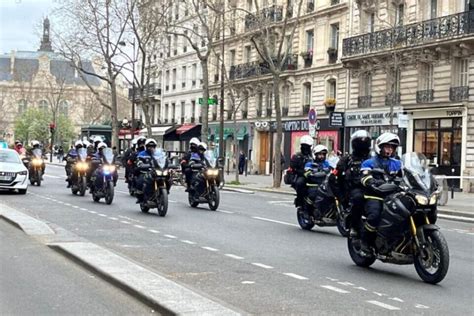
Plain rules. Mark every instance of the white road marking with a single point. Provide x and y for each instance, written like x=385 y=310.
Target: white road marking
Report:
x=210 y=248
x=234 y=256
x=470 y=233
x=396 y=299
x=123 y=192
x=114 y=218
x=153 y=231
x=421 y=306
x=171 y=236
x=125 y=222
x=295 y=276
x=386 y=306
x=189 y=242
x=248 y=282
x=75 y=206
x=83 y=209
x=103 y=215
x=92 y=212
x=279 y=202
x=60 y=202
x=379 y=294
x=332 y=279
x=67 y=204
x=139 y=226
x=335 y=289
x=261 y=265
x=227 y=212
x=274 y=221
x=465 y=219
x=172 y=201
x=345 y=283
x=50 y=176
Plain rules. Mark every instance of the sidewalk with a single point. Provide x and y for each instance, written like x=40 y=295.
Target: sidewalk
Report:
x=461 y=205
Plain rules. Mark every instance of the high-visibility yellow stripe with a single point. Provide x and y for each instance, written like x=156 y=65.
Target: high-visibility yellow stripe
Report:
x=371 y=197
x=364 y=180
x=369 y=227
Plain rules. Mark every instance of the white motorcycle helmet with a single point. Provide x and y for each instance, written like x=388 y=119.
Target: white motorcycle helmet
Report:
x=101 y=145
x=86 y=143
x=78 y=143
x=384 y=139
x=307 y=140
x=194 y=141
x=202 y=146
x=150 y=142
x=319 y=148
x=35 y=143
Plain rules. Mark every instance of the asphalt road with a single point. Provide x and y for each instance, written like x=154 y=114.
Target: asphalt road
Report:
x=251 y=253
x=36 y=281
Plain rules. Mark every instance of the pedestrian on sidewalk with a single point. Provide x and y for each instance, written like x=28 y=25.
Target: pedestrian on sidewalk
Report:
x=241 y=162
x=60 y=154
x=282 y=162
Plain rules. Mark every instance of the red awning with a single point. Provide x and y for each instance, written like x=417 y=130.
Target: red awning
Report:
x=184 y=128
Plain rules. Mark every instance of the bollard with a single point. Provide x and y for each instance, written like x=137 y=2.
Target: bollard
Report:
x=228 y=168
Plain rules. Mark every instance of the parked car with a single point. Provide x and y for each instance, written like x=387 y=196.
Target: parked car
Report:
x=13 y=173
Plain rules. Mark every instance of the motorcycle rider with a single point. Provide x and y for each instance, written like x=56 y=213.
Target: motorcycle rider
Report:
x=19 y=147
x=125 y=158
x=387 y=168
x=71 y=159
x=145 y=163
x=313 y=171
x=345 y=179
x=297 y=165
x=29 y=153
x=133 y=158
x=97 y=160
x=187 y=171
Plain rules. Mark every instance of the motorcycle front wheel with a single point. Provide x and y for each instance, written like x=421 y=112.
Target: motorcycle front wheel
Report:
x=341 y=227
x=305 y=223
x=354 y=252
x=214 y=198
x=109 y=195
x=38 y=177
x=162 y=202
x=191 y=201
x=83 y=186
x=432 y=262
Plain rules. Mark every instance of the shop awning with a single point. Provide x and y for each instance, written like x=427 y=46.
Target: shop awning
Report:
x=157 y=130
x=184 y=133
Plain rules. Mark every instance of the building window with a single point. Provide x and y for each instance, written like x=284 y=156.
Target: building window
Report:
x=399 y=13
x=425 y=81
x=259 y=104
x=22 y=106
x=63 y=108
x=365 y=84
x=174 y=79
x=433 y=9
x=183 y=77
x=167 y=80
x=307 y=94
x=335 y=35
x=173 y=112
x=309 y=40
x=247 y=53
x=232 y=57
x=43 y=106
x=193 y=111
x=461 y=72
x=393 y=80
x=183 y=112
x=166 y=114
x=286 y=100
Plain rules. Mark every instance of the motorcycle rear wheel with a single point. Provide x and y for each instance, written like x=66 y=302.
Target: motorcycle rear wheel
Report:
x=435 y=257
x=359 y=260
x=304 y=223
x=162 y=202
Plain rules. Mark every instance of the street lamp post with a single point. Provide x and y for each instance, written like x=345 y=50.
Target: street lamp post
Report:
x=221 y=107
x=132 y=128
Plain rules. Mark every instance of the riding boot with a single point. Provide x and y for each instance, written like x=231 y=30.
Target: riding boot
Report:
x=367 y=238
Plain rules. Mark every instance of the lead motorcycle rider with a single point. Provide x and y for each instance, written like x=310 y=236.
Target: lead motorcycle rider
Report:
x=318 y=166
x=144 y=165
x=186 y=160
x=71 y=159
x=297 y=165
x=345 y=178
x=29 y=153
x=387 y=169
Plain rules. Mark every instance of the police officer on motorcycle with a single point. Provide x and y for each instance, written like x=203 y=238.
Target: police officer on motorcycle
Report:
x=36 y=145
x=345 y=179
x=297 y=165
x=125 y=159
x=185 y=168
x=97 y=159
x=71 y=158
x=376 y=171
x=145 y=163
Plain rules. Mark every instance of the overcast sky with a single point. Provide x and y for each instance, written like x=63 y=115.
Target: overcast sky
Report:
x=19 y=20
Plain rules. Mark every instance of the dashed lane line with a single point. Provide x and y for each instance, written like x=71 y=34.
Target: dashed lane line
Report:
x=92 y=212
x=83 y=209
x=171 y=236
x=335 y=289
x=139 y=226
x=50 y=176
x=234 y=256
x=383 y=305
x=274 y=221
x=295 y=276
x=114 y=218
x=227 y=212
x=102 y=215
x=189 y=242
x=210 y=249
x=125 y=222
x=153 y=231
x=261 y=265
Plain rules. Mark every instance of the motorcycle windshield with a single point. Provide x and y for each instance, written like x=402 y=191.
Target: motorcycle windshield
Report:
x=333 y=161
x=108 y=155
x=82 y=153
x=211 y=158
x=160 y=157
x=416 y=165
x=37 y=153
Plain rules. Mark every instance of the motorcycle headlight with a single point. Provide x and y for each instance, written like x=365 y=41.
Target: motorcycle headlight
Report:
x=212 y=172
x=37 y=162
x=433 y=199
x=82 y=166
x=421 y=199
x=165 y=173
x=159 y=172
x=109 y=168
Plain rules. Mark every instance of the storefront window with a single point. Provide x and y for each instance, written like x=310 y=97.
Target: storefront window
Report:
x=432 y=123
x=431 y=146
x=446 y=123
x=420 y=142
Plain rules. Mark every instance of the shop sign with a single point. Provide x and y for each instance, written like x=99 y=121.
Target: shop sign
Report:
x=296 y=126
x=370 y=118
x=403 y=120
x=454 y=113
x=336 y=119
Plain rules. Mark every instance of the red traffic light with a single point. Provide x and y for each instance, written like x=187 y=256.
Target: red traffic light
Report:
x=52 y=125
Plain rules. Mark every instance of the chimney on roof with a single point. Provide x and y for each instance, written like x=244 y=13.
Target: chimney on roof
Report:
x=46 y=41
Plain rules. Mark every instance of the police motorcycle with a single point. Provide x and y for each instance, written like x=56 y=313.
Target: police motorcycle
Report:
x=79 y=173
x=160 y=177
x=406 y=235
x=106 y=171
x=324 y=208
x=205 y=183
x=35 y=166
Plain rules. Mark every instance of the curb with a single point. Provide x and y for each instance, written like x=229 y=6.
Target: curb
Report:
x=28 y=224
x=252 y=190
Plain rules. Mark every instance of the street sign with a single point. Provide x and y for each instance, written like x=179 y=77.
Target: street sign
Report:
x=312 y=130
x=312 y=116
x=210 y=101
x=336 y=119
x=403 y=120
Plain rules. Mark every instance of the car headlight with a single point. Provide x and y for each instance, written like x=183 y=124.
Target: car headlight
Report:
x=433 y=199
x=23 y=173
x=421 y=199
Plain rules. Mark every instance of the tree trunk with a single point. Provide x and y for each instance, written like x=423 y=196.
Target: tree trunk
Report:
x=236 y=146
x=277 y=147
x=113 y=112
x=205 y=98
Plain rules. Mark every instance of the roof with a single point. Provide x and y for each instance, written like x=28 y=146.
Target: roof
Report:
x=26 y=64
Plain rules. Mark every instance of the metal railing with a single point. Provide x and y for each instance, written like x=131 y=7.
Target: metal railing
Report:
x=459 y=93
x=423 y=96
x=364 y=101
x=270 y=14
x=254 y=68
x=392 y=99
x=410 y=35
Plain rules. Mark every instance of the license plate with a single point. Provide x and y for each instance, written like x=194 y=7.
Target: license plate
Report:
x=5 y=178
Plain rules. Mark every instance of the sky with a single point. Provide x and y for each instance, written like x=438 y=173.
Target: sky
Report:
x=19 y=21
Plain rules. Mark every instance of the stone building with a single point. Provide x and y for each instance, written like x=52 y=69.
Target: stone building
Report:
x=411 y=66
x=45 y=80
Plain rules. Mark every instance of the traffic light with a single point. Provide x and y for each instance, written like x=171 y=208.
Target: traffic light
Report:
x=52 y=127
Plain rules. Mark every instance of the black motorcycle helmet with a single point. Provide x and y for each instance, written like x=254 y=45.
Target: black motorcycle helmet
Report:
x=361 y=141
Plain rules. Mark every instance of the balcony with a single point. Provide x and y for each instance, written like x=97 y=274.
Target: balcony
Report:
x=459 y=93
x=392 y=99
x=284 y=111
x=305 y=109
x=332 y=55
x=149 y=91
x=253 y=69
x=364 y=101
x=308 y=58
x=424 y=96
x=443 y=28
x=271 y=14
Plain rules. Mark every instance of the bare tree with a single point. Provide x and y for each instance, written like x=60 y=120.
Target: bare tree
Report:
x=272 y=38
x=95 y=28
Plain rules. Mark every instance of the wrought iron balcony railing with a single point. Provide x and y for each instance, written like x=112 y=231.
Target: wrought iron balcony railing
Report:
x=392 y=99
x=364 y=101
x=148 y=92
x=459 y=93
x=253 y=69
x=424 y=96
x=445 y=27
x=271 y=14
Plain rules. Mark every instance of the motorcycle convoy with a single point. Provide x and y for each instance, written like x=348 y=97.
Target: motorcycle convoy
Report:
x=404 y=210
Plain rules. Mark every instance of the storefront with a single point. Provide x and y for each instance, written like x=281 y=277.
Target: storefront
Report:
x=438 y=134
x=241 y=131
